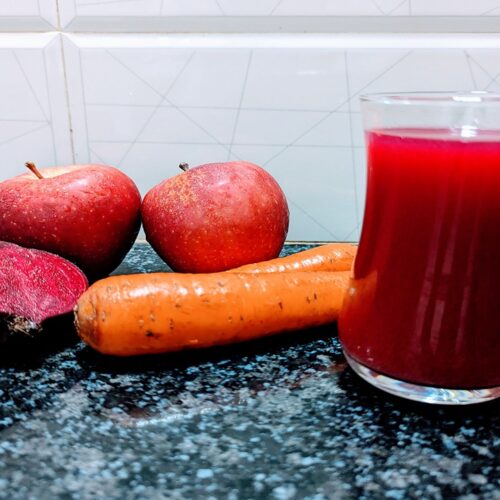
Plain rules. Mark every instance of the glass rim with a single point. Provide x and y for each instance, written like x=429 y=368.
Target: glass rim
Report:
x=433 y=97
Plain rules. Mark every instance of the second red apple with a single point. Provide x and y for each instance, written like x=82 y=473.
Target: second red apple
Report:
x=216 y=217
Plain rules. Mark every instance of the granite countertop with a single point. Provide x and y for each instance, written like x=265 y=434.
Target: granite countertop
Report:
x=281 y=418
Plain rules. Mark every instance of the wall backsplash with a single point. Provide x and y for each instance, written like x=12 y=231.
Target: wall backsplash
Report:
x=145 y=102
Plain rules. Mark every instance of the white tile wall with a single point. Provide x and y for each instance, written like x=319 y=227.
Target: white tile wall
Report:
x=146 y=102
x=153 y=8
x=207 y=105
x=34 y=122
x=294 y=111
x=456 y=8
x=28 y=15
x=235 y=16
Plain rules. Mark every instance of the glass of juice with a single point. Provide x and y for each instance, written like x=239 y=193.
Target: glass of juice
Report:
x=421 y=318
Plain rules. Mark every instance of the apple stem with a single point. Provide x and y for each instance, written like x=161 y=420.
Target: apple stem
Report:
x=33 y=168
x=184 y=167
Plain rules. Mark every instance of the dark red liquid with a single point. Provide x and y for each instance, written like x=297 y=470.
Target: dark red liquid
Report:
x=424 y=303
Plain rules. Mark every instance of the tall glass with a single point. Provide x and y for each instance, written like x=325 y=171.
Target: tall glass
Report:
x=421 y=318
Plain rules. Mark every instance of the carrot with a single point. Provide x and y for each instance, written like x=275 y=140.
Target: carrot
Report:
x=329 y=257
x=163 y=312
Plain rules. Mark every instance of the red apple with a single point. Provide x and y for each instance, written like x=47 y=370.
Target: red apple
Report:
x=216 y=217
x=89 y=214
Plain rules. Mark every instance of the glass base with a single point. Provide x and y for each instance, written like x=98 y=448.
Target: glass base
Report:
x=423 y=393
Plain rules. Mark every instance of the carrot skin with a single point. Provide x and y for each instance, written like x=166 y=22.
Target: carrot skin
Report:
x=164 y=312
x=328 y=257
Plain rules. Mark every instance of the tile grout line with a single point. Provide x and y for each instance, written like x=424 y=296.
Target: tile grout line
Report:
x=327 y=115
x=56 y=157
x=68 y=103
x=25 y=133
x=219 y=6
x=84 y=105
x=311 y=217
x=58 y=16
x=471 y=71
x=377 y=6
x=351 y=135
x=30 y=86
x=229 y=108
x=61 y=34
x=238 y=110
x=166 y=99
x=275 y=8
x=163 y=96
x=224 y=144
x=480 y=66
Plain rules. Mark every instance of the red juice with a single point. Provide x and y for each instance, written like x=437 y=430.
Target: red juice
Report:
x=424 y=301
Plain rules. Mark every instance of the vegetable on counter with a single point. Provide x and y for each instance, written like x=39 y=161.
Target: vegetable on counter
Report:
x=328 y=257
x=164 y=312
x=34 y=286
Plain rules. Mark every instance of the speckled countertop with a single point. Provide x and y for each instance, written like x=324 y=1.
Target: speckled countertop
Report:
x=282 y=418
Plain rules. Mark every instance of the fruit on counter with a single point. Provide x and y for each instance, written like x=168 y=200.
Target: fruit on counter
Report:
x=216 y=217
x=89 y=214
x=328 y=257
x=35 y=286
x=164 y=312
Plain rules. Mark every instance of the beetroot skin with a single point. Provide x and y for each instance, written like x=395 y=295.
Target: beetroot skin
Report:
x=35 y=286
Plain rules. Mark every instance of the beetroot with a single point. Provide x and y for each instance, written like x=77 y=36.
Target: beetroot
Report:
x=35 y=286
